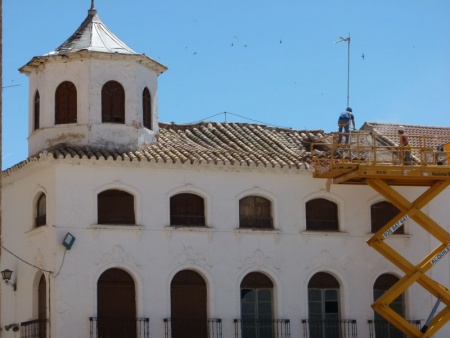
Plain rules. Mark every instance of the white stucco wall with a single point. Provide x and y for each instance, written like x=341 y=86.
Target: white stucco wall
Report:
x=152 y=252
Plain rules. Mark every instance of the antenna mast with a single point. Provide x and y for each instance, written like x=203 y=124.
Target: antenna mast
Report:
x=347 y=39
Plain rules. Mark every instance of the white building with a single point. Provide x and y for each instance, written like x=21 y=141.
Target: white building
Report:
x=206 y=230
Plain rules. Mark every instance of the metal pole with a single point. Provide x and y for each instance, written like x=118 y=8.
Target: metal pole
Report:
x=341 y=39
x=1 y=117
x=430 y=317
x=348 y=71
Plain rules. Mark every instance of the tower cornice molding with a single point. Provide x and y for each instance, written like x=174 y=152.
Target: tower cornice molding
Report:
x=38 y=62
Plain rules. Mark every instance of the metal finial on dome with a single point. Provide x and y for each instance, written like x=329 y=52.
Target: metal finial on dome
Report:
x=92 y=10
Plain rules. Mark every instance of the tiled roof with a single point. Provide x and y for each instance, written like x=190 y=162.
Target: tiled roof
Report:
x=435 y=136
x=237 y=144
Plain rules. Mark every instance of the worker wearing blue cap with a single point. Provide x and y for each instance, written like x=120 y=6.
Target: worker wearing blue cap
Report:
x=344 y=124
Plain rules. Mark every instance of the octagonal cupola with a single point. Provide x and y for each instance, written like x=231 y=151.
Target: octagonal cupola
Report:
x=92 y=90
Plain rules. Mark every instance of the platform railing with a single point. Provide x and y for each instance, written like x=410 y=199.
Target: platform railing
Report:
x=381 y=149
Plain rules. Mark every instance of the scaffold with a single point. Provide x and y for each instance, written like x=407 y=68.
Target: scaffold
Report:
x=379 y=162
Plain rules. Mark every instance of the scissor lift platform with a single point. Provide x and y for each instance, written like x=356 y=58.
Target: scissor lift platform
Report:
x=358 y=173
x=371 y=160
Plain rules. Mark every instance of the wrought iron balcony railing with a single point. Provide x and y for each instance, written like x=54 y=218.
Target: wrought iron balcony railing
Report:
x=192 y=328
x=380 y=328
x=36 y=328
x=254 y=328
x=119 y=327
x=329 y=328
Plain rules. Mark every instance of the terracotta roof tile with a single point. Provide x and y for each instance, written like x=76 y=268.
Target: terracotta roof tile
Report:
x=435 y=136
x=207 y=142
x=239 y=144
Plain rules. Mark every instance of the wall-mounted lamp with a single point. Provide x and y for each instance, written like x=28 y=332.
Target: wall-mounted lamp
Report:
x=14 y=327
x=6 y=276
x=68 y=241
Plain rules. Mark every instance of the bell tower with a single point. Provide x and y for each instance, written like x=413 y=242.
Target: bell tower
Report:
x=93 y=90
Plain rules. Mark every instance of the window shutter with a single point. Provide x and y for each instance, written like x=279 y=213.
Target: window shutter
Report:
x=187 y=209
x=255 y=212
x=113 y=103
x=321 y=215
x=37 y=110
x=147 y=109
x=115 y=207
x=66 y=103
x=41 y=211
x=381 y=213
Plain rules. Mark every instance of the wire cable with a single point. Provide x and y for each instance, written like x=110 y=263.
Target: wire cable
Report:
x=205 y=118
x=60 y=267
x=34 y=266
x=268 y=124
x=242 y=117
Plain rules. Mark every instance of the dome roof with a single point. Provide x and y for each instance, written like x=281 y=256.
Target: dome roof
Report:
x=93 y=35
x=93 y=38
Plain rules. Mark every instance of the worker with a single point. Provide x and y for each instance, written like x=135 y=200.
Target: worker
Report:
x=344 y=124
x=405 y=146
x=439 y=158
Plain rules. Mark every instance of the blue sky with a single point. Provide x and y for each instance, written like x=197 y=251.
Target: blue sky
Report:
x=273 y=62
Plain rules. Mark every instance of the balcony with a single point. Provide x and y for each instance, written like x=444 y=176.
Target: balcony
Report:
x=384 y=329
x=119 y=327
x=192 y=328
x=36 y=328
x=251 y=328
x=329 y=328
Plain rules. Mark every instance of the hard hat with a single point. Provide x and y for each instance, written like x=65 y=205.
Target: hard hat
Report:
x=401 y=128
x=349 y=109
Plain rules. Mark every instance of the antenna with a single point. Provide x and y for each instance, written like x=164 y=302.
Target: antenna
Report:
x=342 y=39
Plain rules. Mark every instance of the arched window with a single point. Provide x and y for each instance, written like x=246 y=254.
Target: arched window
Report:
x=256 y=306
x=113 y=103
x=188 y=297
x=255 y=212
x=37 y=110
x=323 y=305
x=115 y=207
x=321 y=215
x=382 y=327
x=187 y=209
x=381 y=213
x=116 y=304
x=42 y=307
x=66 y=103
x=41 y=210
x=147 y=108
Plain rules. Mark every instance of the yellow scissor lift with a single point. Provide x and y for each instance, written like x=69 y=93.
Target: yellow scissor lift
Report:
x=375 y=160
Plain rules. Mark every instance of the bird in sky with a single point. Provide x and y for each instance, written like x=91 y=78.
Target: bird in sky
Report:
x=362 y=55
